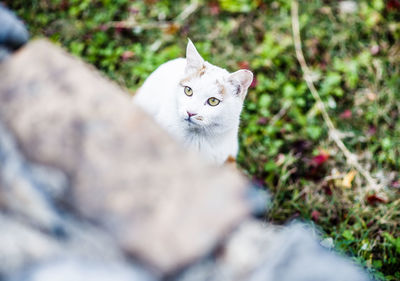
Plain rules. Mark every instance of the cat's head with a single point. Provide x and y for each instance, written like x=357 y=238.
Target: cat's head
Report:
x=210 y=99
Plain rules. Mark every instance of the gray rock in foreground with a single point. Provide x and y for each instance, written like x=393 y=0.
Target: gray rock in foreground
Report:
x=297 y=255
x=263 y=252
x=84 y=270
x=162 y=205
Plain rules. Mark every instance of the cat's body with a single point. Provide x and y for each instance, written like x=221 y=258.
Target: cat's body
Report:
x=197 y=103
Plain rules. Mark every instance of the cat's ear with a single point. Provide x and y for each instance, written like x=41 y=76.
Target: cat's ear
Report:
x=242 y=80
x=194 y=61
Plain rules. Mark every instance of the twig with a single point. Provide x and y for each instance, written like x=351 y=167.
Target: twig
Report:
x=333 y=132
x=179 y=20
x=334 y=177
x=190 y=9
x=280 y=114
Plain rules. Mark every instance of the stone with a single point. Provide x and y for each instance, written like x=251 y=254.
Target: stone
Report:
x=25 y=245
x=296 y=254
x=84 y=270
x=163 y=205
x=238 y=257
x=259 y=251
x=20 y=183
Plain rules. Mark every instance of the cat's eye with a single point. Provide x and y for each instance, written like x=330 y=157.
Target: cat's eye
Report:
x=213 y=101
x=188 y=91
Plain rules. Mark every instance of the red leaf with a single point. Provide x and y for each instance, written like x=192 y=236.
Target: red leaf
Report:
x=262 y=121
x=396 y=184
x=315 y=215
x=127 y=55
x=103 y=27
x=244 y=64
x=371 y=130
x=320 y=159
x=133 y=10
x=375 y=199
x=346 y=114
x=64 y=5
x=393 y=5
x=371 y=223
x=374 y=50
x=328 y=190
x=120 y=25
x=214 y=8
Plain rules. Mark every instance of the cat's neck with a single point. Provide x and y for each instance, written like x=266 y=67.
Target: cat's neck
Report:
x=202 y=138
x=211 y=135
x=216 y=148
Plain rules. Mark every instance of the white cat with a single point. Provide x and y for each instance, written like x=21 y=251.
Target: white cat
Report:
x=197 y=103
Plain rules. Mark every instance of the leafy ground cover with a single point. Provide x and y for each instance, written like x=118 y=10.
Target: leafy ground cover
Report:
x=353 y=51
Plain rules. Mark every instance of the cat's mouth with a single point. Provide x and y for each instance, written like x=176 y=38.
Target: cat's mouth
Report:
x=191 y=122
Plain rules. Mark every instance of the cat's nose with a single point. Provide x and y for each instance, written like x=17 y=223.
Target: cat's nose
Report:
x=191 y=114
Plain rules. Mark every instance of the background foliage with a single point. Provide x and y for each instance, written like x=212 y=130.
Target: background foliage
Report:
x=354 y=52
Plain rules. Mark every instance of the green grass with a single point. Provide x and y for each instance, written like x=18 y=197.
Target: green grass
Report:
x=284 y=140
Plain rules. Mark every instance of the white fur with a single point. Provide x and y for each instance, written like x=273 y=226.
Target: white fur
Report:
x=162 y=96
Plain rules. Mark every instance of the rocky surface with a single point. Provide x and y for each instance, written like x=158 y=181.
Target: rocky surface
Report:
x=110 y=163
x=92 y=189
x=258 y=251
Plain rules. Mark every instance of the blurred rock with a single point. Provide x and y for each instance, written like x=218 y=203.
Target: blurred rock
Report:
x=23 y=244
x=22 y=185
x=84 y=270
x=259 y=200
x=162 y=205
x=297 y=255
x=263 y=252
